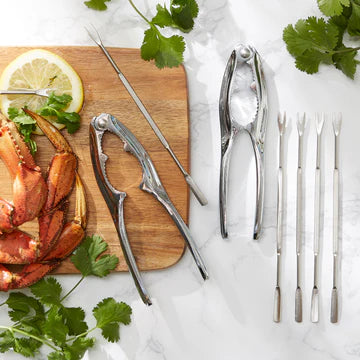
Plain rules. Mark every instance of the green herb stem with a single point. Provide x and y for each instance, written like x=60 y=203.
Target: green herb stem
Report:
x=82 y=334
x=13 y=329
x=76 y=285
x=138 y=11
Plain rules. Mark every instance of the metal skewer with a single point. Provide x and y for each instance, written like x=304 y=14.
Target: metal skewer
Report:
x=40 y=92
x=299 y=218
x=334 y=294
x=280 y=200
x=319 y=122
x=94 y=35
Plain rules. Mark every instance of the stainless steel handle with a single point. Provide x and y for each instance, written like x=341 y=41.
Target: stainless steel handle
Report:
x=224 y=184
x=129 y=257
x=184 y=230
x=317 y=210
x=259 y=158
x=299 y=220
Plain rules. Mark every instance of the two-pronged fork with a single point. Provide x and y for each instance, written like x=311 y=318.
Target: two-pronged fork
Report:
x=280 y=206
x=319 y=122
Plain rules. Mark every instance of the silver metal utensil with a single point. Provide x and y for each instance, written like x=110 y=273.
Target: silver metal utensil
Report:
x=243 y=108
x=299 y=217
x=337 y=120
x=280 y=207
x=150 y=183
x=40 y=92
x=94 y=35
x=314 y=315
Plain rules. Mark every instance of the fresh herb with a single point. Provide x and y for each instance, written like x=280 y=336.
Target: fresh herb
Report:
x=316 y=41
x=166 y=51
x=54 y=107
x=43 y=319
x=25 y=124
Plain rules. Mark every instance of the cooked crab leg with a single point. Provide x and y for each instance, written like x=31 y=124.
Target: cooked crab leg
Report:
x=29 y=186
x=55 y=241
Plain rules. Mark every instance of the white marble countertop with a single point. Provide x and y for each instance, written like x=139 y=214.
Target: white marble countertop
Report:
x=230 y=315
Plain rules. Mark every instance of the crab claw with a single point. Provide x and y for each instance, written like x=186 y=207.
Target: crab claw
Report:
x=29 y=187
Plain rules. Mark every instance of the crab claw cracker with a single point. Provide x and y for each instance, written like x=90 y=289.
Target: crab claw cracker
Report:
x=243 y=107
x=150 y=183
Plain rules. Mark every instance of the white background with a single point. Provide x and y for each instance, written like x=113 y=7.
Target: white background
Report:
x=229 y=316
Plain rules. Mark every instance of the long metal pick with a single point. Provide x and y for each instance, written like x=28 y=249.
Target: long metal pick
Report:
x=280 y=206
x=336 y=215
x=94 y=35
x=299 y=217
x=319 y=122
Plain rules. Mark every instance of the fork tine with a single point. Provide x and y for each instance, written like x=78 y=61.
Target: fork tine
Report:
x=337 y=123
x=94 y=35
x=282 y=122
x=301 y=123
x=319 y=122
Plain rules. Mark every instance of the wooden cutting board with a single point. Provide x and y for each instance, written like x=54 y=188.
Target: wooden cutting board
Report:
x=155 y=240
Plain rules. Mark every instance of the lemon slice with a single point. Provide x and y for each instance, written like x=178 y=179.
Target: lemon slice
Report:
x=37 y=69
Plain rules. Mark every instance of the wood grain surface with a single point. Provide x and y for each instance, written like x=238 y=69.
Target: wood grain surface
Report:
x=155 y=240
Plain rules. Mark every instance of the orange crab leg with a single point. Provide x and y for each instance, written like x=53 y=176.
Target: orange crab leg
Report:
x=29 y=187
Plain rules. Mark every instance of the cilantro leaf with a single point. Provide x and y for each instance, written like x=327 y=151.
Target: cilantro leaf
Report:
x=96 y=4
x=109 y=314
x=85 y=257
x=332 y=7
x=346 y=62
x=312 y=41
x=22 y=306
x=163 y=17
x=47 y=290
x=55 y=327
x=354 y=20
x=56 y=355
x=165 y=51
x=183 y=13
x=7 y=341
x=27 y=347
x=74 y=320
x=77 y=349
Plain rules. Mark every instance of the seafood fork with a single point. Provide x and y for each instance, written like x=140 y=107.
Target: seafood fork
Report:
x=315 y=292
x=243 y=108
x=150 y=183
x=280 y=204
x=40 y=92
x=299 y=217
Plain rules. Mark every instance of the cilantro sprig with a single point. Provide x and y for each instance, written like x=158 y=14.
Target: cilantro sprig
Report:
x=54 y=107
x=314 y=41
x=43 y=319
x=166 y=51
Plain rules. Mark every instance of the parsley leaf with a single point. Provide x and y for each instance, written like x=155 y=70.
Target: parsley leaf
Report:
x=27 y=347
x=84 y=258
x=47 y=290
x=109 y=314
x=183 y=13
x=55 y=327
x=332 y=7
x=96 y=4
x=7 y=341
x=354 y=20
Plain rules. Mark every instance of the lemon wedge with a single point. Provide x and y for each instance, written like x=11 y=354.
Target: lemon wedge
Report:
x=37 y=69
